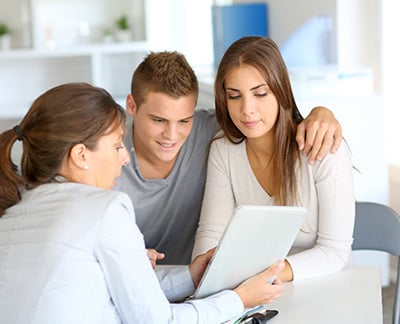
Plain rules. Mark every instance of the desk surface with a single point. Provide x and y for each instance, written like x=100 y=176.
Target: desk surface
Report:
x=350 y=296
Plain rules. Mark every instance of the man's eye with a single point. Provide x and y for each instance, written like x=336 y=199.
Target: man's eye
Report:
x=158 y=120
x=185 y=121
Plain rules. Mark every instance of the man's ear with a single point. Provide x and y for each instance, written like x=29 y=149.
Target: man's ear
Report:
x=78 y=155
x=131 y=106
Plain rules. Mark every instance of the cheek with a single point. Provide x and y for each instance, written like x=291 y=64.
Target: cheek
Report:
x=146 y=129
x=234 y=114
x=273 y=115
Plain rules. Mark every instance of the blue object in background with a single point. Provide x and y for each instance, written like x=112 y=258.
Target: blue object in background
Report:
x=231 y=22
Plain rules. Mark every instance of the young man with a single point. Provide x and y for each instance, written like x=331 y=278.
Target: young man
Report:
x=168 y=142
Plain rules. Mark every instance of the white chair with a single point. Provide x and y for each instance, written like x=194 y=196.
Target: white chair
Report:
x=377 y=227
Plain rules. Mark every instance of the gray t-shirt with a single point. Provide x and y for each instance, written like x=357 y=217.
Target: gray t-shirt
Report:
x=167 y=210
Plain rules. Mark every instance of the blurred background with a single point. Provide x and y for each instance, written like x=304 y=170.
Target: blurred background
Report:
x=341 y=54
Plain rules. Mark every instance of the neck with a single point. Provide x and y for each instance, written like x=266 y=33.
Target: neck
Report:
x=151 y=169
x=261 y=148
x=260 y=155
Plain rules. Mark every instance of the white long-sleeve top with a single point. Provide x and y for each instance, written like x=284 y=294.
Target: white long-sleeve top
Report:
x=323 y=244
x=71 y=253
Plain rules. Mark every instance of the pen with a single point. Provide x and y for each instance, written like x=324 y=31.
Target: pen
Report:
x=260 y=317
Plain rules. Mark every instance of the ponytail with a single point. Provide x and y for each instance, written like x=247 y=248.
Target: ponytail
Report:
x=11 y=182
x=58 y=119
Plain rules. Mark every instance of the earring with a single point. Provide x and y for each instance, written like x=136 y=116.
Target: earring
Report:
x=86 y=167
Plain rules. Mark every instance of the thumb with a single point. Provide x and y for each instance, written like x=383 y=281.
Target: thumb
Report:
x=274 y=270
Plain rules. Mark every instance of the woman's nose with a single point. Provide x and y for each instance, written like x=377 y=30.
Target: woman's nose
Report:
x=247 y=107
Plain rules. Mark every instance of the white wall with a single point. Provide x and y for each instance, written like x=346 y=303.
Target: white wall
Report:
x=391 y=70
x=359 y=41
x=16 y=14
x=184 y=26
x=285 y=16
x=31 y=21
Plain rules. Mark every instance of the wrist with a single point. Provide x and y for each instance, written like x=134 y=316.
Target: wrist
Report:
x=287 y=273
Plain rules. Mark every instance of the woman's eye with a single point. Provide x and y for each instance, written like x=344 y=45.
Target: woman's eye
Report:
x=232 y=97
x=119 y=148
x=261 y=94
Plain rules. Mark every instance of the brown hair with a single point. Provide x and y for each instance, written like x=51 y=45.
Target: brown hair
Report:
x=164 y=72
x=57 y=120
x=263 y=54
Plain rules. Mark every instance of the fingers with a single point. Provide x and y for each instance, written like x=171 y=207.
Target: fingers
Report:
x=309 y=136
x=301 y=135
x=199 y=265
x=319 y=145
x=262 y=288
x=197 y=268
x=313 y=142
x=338 y=139
x=320 y=139
x=318 y=134
x=205 y=257
x=154 y=255
x=210 y=253
x=273 y=271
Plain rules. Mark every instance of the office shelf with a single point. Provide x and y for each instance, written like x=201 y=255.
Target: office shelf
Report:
x=26 y=73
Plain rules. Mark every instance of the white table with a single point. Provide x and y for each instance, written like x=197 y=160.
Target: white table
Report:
x=351 y=296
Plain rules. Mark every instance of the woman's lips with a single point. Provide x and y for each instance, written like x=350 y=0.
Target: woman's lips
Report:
x=250 y=124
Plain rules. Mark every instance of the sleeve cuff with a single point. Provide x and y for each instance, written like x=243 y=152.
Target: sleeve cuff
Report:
x=176 y=281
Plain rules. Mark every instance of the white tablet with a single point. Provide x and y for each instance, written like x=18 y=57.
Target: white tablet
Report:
x=255 y=238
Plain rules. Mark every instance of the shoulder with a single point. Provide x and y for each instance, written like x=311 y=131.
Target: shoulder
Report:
x=343 y=154
x=205 y=119
x=97 y=199
x=205 y=126
x=73 y=204
x=205 y=113
x=221 y=145
x=220 y=140
x=333 y=162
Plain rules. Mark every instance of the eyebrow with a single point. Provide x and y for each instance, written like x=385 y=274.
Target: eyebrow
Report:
x=251 y=89
x=159 y=117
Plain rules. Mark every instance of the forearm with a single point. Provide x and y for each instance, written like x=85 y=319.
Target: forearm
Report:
x=317 y=261
x=176 y=282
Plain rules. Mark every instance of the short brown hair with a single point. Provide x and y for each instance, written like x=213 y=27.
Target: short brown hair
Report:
x=164 y=72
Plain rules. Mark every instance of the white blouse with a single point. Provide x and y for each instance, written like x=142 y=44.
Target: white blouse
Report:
x=323 y=244
x=71 y=253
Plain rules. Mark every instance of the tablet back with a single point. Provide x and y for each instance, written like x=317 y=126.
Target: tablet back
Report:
x=255 y=238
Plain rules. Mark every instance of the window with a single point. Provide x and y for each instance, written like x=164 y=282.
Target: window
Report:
x=184 y=26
